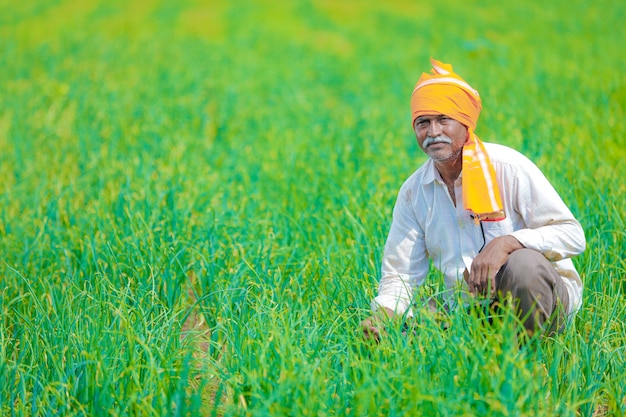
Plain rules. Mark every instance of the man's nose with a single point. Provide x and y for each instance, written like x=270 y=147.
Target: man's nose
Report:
x=434 y=128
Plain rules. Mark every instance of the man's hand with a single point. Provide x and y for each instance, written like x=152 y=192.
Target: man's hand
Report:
x=486 y=265
x=374 y=326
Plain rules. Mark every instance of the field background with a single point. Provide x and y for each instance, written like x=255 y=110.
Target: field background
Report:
x=194 y=198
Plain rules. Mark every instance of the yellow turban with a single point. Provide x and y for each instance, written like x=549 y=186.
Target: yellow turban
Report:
x=444 y=92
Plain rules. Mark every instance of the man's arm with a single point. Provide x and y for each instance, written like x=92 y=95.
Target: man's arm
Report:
x=404 y=267
x=374 y=325
x=488 y=262
x=550 y=226
x=405 y=261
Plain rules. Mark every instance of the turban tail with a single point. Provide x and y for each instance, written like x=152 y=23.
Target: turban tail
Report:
x=481 y=194
x=444 y=92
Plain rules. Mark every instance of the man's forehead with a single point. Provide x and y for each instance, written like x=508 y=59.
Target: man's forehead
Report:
x=429 y=116
x=434 y=116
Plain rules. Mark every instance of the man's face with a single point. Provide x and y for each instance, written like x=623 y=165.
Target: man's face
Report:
x=440 y=137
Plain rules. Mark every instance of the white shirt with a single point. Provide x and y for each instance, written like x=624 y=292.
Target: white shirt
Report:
x=427 y=226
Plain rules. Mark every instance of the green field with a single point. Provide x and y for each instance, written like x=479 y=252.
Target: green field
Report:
x=195 y=196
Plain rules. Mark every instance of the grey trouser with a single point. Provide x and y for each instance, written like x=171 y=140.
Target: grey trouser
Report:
x=538 y=292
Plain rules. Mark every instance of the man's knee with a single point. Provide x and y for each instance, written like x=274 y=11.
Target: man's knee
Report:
x=524 y=270
x=535 y=286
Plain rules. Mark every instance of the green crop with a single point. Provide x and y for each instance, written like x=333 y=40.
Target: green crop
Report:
x=195 y=195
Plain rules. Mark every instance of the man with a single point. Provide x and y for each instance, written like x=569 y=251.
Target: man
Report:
x=485 y=216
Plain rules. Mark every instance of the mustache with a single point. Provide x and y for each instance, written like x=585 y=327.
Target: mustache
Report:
x=436 y=139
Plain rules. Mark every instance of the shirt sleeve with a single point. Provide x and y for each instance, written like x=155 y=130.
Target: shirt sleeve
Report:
x=550 y=227
x=405 y=262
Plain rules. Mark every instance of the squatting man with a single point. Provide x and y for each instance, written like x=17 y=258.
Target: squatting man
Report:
x=485 y=216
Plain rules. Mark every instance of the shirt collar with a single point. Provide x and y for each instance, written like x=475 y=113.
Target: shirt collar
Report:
x=431 y=174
